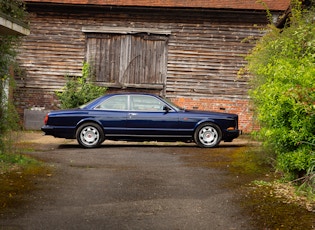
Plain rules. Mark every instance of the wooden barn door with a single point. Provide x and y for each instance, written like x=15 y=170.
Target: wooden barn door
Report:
x=136 y=60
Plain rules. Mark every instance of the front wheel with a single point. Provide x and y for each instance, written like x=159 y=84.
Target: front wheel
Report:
x=90 y=135
x=207 y=135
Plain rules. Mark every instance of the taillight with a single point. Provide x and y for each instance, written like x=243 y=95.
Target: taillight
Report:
x=46 y=119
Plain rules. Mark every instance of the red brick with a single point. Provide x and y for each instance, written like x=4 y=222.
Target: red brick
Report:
x=240 y=107
x=30 y=98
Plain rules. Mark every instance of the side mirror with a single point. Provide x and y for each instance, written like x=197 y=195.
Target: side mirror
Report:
x=166 y=108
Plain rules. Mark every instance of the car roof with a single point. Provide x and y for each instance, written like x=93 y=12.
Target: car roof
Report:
x=94 y=102
x=131 y=93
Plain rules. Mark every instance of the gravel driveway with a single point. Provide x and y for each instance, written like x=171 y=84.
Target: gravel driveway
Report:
x=130 y=186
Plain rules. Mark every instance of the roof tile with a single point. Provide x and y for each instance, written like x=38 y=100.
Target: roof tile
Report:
x=220 y=4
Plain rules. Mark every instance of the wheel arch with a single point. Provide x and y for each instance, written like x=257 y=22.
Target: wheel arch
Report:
x=87 y=120
x=201 y=122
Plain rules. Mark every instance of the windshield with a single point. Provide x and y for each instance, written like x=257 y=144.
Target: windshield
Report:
x=176 y=107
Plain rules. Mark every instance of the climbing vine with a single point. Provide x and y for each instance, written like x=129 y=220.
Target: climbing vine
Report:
x=13 y=10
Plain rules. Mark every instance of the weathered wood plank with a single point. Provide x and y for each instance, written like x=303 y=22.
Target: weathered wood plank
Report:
x=204 y=50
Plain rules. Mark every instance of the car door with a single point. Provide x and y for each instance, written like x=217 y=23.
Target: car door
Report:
x=147 y=117
x=112 y=114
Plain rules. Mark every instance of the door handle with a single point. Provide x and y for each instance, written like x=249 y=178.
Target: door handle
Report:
x=132 y=114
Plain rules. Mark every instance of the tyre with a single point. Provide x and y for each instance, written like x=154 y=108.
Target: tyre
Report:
x=207 y=135
x=90 y=135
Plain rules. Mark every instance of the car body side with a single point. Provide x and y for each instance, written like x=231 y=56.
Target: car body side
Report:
x=167 y=125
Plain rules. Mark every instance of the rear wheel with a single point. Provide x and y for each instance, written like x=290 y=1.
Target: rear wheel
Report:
x=90 y=135
x=207 y=135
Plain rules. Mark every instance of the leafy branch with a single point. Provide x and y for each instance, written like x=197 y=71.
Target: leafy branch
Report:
x=79 y=90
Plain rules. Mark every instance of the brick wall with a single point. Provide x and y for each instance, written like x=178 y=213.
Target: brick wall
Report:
x=240 y=107
x=28 y=98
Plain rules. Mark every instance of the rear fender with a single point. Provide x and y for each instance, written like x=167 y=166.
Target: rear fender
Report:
x=88 y=120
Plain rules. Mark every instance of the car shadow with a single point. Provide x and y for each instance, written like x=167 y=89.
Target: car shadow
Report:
x=152 y=145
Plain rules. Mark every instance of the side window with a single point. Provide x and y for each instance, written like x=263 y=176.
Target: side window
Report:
x=114 y=103
x=145 y=103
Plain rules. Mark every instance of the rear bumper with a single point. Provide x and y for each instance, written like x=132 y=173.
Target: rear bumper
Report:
x=62 y=132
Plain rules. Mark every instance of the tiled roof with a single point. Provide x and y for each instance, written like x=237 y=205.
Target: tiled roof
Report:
x=219 y=4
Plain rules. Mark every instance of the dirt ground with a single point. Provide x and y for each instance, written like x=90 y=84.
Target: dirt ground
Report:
x=125 y=185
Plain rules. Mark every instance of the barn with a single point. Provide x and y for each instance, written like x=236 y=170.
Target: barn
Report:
x=187 y=51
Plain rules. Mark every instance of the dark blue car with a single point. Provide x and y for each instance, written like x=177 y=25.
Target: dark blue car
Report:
x=140 y=117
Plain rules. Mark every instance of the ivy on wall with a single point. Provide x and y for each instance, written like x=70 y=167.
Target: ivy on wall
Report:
x=13 y=10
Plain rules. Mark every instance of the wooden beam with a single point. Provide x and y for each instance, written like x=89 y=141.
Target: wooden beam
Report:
x=123 y=30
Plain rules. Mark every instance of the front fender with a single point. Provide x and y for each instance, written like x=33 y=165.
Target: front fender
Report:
x=206 y=121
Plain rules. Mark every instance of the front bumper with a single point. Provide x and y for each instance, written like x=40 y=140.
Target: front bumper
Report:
x=229 y=135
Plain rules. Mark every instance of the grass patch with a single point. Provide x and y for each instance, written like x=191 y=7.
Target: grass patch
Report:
x=19 y=173
x=14 y=161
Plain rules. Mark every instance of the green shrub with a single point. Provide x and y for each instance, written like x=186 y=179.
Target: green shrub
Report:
x=9 y=119
x=282 y=66
x=79 y=90
x=15 y=9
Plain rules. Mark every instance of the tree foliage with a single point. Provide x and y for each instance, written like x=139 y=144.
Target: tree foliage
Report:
x=79 y=90
x=282 y=66
x=14 y=10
